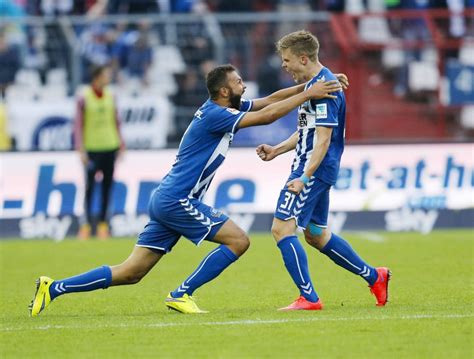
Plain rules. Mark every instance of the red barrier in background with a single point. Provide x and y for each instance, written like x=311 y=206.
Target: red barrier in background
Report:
x=376 y=112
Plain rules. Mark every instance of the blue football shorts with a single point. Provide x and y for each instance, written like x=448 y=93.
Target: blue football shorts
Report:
x=171 y=218
x=311 y=205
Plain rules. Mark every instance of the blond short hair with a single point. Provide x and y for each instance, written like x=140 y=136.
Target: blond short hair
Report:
x=300 y=43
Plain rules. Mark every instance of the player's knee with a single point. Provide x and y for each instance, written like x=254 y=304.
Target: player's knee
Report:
x=275 y=231
x=135 y=276
x=280 y=230
x=242 y=243
x=316 y=236
x=130 y=275
x=311 y=239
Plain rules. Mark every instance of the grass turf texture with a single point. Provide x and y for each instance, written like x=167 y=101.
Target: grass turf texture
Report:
x=430 y=314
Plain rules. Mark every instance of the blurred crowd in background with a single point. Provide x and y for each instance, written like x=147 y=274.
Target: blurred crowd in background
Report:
x=131 y=46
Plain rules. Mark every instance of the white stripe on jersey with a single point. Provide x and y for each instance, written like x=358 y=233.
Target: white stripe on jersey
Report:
x=300 y=150
x=205 y=182
x=296 y=160
x=310 y=152
x=221 y=149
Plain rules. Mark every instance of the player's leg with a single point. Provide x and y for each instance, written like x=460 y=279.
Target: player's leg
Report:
x=201 y=222
x=107 y=167
x=90 y=171
x=336 y=248
x=137 y=265
x=234 y=242
x=290 y=208
x=339 y=251
x=153 y=242
x=198 y=222
x=134 y=268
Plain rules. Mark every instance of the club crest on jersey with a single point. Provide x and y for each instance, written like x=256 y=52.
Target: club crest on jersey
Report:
x=321 y=79
x=233 y=111
x=321 y=110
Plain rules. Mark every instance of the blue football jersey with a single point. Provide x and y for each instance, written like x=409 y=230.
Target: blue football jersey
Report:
x=327 y=113
x=203 y=149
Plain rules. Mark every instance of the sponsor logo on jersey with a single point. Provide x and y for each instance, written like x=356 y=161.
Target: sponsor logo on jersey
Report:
x=302 y=121
x=233 y=111
x=321 y=111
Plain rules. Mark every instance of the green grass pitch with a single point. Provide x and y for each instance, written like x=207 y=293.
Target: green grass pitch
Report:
x=430 y=313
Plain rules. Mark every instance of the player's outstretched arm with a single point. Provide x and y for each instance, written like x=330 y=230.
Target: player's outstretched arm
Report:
x=268 y=153
x=279 y=95
x=276 y=110
x=283 y=94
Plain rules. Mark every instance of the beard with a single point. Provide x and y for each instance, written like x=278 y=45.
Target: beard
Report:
x=235 y=100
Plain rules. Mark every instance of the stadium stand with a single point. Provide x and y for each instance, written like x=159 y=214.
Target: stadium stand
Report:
x=400 y=59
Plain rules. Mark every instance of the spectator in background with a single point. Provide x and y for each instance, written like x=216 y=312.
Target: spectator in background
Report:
x=35 y=58
x=194 y=44
x=268 y=75
x=10 y=62
x=131 y=51
x=140 y=56
x=125 y=37
x=191 y=92
x=98 y=141
x=96 y=47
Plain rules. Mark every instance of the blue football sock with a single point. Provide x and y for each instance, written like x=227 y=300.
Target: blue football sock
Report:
x=210 y=267
x=296 y=263
x=99 y=278
x=343 y=255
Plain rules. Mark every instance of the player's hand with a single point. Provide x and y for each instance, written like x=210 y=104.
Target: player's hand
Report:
x=324 y=89
x=266 y=152
x=295 y=186
x=343 y=80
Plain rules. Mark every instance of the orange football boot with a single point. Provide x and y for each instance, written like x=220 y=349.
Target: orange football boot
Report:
x=84 y=233
x=103 y=232
x=303 y=304
x=380 y=287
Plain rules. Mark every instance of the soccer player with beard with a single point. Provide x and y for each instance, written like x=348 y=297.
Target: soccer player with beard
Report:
x=304 y=200
x=176 y=208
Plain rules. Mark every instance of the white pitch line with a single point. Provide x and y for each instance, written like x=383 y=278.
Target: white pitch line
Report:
x=240 y=322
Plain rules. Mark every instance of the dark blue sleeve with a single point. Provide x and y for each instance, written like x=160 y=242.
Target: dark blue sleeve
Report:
x=246 y=105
